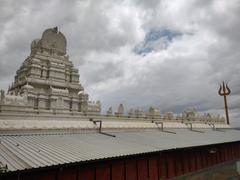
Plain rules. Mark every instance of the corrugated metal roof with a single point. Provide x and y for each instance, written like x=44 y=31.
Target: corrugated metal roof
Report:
x=25 y=151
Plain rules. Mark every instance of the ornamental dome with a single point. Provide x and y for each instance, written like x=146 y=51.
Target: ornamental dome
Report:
x=52 y=39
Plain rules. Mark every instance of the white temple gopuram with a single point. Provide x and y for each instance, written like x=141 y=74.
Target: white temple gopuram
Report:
x=47 y=80
x=47 y=86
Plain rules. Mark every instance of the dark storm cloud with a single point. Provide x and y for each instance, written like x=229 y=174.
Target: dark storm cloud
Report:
x=101 y=36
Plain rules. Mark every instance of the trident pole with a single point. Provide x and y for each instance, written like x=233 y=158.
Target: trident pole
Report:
x=226 y=108
x=225 y=91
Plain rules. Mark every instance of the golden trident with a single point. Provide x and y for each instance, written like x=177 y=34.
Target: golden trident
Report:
x=225 y=91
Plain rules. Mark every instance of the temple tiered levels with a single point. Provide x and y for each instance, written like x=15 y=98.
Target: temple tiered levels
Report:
x=47 y=80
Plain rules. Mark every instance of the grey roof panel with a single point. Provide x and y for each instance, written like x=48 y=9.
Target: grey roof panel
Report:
x=24 y=151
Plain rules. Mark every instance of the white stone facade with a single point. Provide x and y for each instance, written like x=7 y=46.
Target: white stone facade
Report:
x=47 y=79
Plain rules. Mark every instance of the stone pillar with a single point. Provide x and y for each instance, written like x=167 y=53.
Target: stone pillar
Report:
x=83 y=103
x=75 y=103
x=36 y=102
x=31 y=99
x=53 y=100
x=42 y=102
x=60 y=103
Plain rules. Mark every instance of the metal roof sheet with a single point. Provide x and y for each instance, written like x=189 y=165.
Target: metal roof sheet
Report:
x=25 y=151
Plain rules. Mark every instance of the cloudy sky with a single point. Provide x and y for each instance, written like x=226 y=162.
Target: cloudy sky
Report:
x=169 y=54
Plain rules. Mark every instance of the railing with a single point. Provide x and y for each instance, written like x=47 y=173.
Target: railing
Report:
x=100 y=127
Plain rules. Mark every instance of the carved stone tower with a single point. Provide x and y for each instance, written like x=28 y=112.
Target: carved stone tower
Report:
x=48 y=78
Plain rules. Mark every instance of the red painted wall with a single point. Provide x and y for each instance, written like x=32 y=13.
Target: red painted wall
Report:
x=153 y=168
x=162 y=165
x=86 y=173
x=118 y=170
x=131 y=169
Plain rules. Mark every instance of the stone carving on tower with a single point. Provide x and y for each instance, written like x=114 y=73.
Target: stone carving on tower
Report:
x=48 y=80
